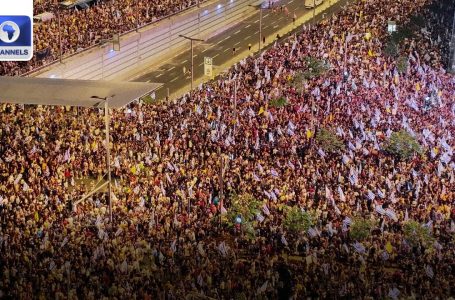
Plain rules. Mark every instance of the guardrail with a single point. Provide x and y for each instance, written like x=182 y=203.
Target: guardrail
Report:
x=77 y=52
x=151 y=43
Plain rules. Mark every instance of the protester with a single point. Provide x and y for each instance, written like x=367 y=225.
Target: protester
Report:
x=166 y=241
x=81 y=28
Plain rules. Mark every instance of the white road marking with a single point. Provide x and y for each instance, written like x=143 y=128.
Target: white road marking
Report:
x=237 y=32
x=247 y=37
x=159 y=75
x=247 y=25
x=171 y=68
x=174 y=79
x=215 y=55
x=291 y=1
x=276 y=26
x=184 y=61
x=266 y=15
x=226 y=50
x=223 y=40
x=257 y=32
x=256 y=21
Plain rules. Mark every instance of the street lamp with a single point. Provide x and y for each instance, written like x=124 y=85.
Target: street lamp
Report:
x=60 y=47
x=192 y=60
x=260 y=22
x=108 y=151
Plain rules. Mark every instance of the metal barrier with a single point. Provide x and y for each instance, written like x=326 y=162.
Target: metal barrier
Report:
x=150 y=43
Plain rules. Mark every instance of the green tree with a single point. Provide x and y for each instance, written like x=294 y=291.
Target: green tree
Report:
x=277 y=103
x=244 y=206
x=315 y=67
x=401 y=34
x=297 y=220
x=402 y=64
x=298 y=82
x=416 y=234
x=391 y=49
x=329 y=141
x=403 y=145
x=360 y=228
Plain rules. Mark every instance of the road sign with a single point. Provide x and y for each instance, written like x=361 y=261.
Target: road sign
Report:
x=208 y=64
x=391 y=26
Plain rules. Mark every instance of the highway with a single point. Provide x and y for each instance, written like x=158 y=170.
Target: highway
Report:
x=220 y=47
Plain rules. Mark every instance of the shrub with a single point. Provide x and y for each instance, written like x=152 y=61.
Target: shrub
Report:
x=402 y=33
x=315 y=67
x=298 y=221
x=402 y=145
x=402 y=64
x=298 y=81
x=244 y=205
x=391 y=49
x=360 y=228
x=280 y=102
x=329 y=141
x=416 y=234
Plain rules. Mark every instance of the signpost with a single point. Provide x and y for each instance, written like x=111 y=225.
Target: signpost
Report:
x=391 y=26
x=208 y=67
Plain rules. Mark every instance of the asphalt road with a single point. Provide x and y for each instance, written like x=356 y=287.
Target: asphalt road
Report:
x=220 y=47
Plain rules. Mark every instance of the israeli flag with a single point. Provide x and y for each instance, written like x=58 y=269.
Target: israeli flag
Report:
x=283 y=240
x=259 y=217
x=440 y=169
x=341 y=194
x=429 y=271
x=380 y=210
x=261 y=170
x=255 y=177
x=445 y=158
x=273 y=196
x=312 y=232
x=370 y=195
x=274 y=173
x=391 y=214
x=265 y=210
x=353 y=179
x=291 y=165
x=321 y=153
x=359 y=247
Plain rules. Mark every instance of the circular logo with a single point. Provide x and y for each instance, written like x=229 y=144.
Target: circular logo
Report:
x=9 y=32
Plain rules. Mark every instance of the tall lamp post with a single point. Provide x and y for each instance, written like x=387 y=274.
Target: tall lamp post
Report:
x=137 y=15
x=60 y=47
x=260 y=21
x=314 y=11
x=192 y=60
x=108 y=151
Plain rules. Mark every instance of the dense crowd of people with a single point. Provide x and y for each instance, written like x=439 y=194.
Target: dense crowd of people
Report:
x=82 y=28
x=166 y=240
